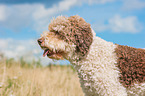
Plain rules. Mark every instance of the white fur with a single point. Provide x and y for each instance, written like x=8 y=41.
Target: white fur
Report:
x=98 y=73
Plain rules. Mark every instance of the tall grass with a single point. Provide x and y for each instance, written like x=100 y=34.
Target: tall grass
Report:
x=18 y=78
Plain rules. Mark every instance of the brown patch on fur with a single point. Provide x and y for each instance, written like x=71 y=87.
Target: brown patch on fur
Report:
x=131 y=62
x=76 y=31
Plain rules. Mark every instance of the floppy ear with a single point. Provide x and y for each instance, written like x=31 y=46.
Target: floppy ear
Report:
x=82 y=34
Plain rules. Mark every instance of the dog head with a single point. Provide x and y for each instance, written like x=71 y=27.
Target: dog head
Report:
x=67 y=38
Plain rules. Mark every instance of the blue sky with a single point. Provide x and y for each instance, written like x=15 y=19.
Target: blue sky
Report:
x=22 y=22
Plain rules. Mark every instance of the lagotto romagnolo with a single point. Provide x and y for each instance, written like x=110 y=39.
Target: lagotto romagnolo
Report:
x=104 y=68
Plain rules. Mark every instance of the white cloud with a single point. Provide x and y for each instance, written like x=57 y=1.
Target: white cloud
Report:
x=133 y=4
x=127 y=24
x=98 y=1
x=13 y=48
x=17 y=16
x=66 y=4
x=20 y=48
x=118 y=24
x=2 y=13
x=4 y=43
x=36 y=16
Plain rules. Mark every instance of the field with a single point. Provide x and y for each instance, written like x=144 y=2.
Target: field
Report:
x=17 y=78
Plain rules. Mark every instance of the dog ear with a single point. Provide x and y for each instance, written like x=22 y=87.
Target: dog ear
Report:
x=82 y=34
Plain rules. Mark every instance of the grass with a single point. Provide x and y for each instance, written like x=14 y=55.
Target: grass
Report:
x=22 y=79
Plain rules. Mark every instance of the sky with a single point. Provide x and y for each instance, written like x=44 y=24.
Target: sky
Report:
x=22 y=22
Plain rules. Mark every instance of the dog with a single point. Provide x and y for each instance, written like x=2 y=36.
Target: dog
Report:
x=104 y=68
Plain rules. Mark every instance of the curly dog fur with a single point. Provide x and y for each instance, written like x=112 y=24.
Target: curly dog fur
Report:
x=104 y=68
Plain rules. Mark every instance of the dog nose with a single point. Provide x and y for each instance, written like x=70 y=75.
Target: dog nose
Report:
x=39 y=41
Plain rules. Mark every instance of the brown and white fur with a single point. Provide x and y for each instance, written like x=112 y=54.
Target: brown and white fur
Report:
x=104 y=68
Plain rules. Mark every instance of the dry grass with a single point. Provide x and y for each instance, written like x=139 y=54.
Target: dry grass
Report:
x=24 y=81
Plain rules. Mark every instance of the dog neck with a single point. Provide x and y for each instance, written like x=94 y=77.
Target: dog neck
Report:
x=93 y=69
x=96 y=50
